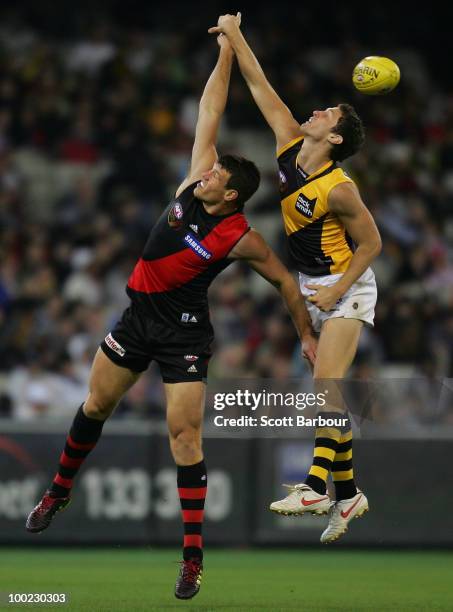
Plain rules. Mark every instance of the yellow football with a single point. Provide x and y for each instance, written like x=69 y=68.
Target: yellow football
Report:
x=376 y=76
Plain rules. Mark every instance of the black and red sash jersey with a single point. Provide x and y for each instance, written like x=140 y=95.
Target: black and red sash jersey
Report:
x=186 y=249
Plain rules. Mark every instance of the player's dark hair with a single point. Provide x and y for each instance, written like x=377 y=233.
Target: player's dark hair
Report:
x=349 y=126
x=245 y=176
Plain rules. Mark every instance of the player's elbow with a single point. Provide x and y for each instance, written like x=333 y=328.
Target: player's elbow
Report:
x=207 y=109
x=376 y=246
x=372 y=244
x=256 y=81
x=370 y=248
x=287 y=286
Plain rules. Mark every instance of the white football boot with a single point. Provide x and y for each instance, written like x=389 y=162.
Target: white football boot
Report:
x=341 y=513
x=300 y=500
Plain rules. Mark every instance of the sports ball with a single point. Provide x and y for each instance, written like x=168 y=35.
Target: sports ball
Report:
x=376 y=76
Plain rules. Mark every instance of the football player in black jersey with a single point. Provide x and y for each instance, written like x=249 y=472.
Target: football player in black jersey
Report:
x=200 y=232
x=332 y=239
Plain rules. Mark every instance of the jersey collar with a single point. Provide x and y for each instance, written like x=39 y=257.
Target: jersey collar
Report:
x=309 y=177
x=322 y=171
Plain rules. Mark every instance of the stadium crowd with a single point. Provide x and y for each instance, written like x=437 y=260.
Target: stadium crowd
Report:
x=95 y=135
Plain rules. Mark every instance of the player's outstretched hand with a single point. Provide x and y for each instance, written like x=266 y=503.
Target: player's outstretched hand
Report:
x=226 y=24
x=223 y=42
x=309 y=347
x=325 y=298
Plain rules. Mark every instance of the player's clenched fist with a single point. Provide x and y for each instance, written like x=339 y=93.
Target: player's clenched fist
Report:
x=223 y=42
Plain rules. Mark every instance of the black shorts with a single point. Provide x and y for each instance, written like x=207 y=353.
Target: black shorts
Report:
x=137 y=339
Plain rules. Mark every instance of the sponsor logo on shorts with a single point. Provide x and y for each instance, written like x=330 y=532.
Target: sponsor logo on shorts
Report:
x=191 y=357
x=192 y=369
x=305 y=206
x=196 y=246
x=193 y=319
x=113 y=344
x=186 y=318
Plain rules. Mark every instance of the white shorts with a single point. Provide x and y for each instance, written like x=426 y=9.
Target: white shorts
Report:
x=357 y=303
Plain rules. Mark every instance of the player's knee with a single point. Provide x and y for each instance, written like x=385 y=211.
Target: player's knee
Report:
x=186 y=442
x=319 y=375
x=98 y=407
x=327 y=375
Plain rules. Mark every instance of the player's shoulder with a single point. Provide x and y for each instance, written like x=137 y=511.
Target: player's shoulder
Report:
x=185 y=190
x=251 y=246
x=289 y=149
x=339 y=182
x=343 y=195
x=236 y=223
x=341 y=173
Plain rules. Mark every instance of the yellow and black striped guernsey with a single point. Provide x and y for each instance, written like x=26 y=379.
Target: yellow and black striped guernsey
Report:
x=318 y=242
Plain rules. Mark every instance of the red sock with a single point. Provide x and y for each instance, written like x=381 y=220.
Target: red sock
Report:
x=82 y=438
x=192 y=487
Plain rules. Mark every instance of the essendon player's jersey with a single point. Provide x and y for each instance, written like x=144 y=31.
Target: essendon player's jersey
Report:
x=186 y=249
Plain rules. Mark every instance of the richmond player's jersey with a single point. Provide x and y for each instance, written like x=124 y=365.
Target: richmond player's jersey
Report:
x=186 y=249
x=318 y=242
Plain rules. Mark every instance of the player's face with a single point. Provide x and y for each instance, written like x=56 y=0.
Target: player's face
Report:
x=212 y=187
x=321 y=123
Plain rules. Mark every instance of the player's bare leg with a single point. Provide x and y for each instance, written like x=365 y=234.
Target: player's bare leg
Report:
x=185 y=409
x=336 y=351
x=185 y=406
x=337 y=347
x=108 y=384
x=333 y=446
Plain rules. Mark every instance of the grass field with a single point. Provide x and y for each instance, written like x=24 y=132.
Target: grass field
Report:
x=129 y=580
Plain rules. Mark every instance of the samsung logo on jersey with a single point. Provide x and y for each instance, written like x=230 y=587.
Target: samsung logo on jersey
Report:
x=196 y=247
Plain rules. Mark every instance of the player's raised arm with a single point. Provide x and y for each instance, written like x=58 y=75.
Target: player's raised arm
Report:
x=253 y=249
x=211 y=108
x=275 y=111
x=345 y=201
